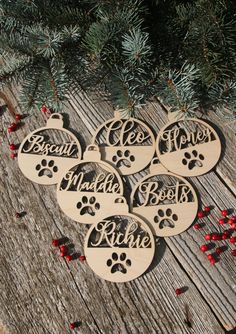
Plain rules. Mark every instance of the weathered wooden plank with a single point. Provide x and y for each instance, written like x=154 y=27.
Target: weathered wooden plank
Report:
x=186 y=246
x=48 y=293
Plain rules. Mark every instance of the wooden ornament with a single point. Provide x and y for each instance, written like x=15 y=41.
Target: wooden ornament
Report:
x=127 y=143
x=167 y=202
x=120 y=247
x=188 y=147
x=87 y=190
x=46 y=153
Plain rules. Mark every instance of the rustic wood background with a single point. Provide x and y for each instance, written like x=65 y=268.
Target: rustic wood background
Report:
x=42 y=293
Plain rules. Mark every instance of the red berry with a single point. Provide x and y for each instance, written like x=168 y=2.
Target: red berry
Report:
x=82 y=258
x=210 y=256
x=224 y=213
x=200 y=214
x=233 y=218
x=68 y=258
x=13 y=126
x=178 y=291
x=216 y=236
x=63 y=249
x=207 y=209
x=213 y=261
x=10 y=129
x=232 y=240
x=72 y=325
x=204 y=248
x=18 y=215
x=224 y=237
x=18 y=117
x=12 y=147
x=219 y=250
x=44 y=109
x=233 y=225
x=13 y=155
x=233 y=252
x=230 y=221
x=227 y=232
x=55 y=242
x=208 y=237
x=62 y=254
x=196 y=226
x=222 y=221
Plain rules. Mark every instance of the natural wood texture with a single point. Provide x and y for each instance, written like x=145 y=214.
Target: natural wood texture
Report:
x=42 y=293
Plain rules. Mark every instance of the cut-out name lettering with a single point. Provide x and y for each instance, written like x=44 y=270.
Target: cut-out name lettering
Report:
x=113 y=238
x=103 y=183
x=39 y=145
x=153 y=194
x=125 y=134
x=176 y=139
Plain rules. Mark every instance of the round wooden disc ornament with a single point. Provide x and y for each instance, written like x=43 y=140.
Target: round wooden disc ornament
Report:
x=188 y=146
x=127 y=143
x=46 y=153
x=87 y=190
x=167 y=202
x=120 y=247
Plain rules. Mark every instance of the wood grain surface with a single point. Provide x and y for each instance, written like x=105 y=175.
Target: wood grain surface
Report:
x=41 y=293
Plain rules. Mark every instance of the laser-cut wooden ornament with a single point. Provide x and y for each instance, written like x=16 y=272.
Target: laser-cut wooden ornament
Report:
x=87 y=190
x=188 y=146
x=127 y=143
x=44 y=155
x=166 y=201
x=120 y=247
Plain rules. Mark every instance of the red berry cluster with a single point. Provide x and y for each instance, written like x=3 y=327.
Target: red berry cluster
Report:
x=64 y=251
x=10 y=129
x=226 y=234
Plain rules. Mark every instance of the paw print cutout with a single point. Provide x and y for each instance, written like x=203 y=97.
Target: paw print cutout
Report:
x=88 y=206
x=165 y=218
x=46 y=168
x=118 y=263
x=193 y=159
x=123 y=158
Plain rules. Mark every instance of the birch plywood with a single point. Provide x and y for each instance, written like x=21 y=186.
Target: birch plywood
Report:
x=42 y=293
